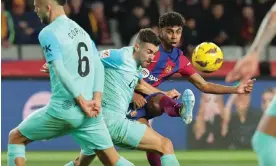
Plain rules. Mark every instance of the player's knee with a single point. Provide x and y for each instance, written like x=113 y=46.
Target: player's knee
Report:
x=166 y=146
x=15 y=137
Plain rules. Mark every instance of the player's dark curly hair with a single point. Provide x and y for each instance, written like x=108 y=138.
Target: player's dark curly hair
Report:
x=148 y=36
x=171 y=19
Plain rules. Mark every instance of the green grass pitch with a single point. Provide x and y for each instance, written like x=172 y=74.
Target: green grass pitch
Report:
x=186 y=158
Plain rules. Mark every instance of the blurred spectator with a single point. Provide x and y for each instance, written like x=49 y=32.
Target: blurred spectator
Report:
x=133 y=23
x=243 y=122
x=203 y=19
x=151 y=11
x=99 y=24
x=7 y=27
x=133 y=39
x=248 y=25
x=267 y=97
x=79 y=14
x=27 y=24
x=67 y=9
x=209 y=125
x=190 y=38
x=218 y=26
x=165 y=6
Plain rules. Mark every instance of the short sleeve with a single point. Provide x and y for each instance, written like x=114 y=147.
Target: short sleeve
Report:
x=112 y=58
x=50 y=45
x=186 y=67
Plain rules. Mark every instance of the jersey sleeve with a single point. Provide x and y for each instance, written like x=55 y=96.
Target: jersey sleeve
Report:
x=186 y=67
x=112 y=58
x=50 y=45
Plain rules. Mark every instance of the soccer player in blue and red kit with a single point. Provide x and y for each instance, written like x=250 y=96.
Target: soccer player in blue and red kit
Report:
x=168 y=61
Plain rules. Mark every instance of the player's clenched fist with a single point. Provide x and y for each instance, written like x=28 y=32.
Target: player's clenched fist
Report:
x=246 y=87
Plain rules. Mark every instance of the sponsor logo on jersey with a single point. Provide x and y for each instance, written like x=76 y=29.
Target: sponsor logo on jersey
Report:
x=168 y=69
x=152 y=78
x=105 y=54
x=145 y=73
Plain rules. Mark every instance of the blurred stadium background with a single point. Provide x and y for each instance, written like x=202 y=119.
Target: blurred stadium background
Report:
x=222 y=126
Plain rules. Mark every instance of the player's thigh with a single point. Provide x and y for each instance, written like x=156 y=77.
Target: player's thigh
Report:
x=93 y=135
x=265 y=146
x=40 y=125
x=153 y=141
x=125 y=132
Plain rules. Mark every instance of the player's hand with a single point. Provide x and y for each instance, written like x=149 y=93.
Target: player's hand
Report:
x=90 y=109
x=174 y=94
x=97 y=106
x=139 y=100
x=245 y=88
x=244 y=69
x=45 y=68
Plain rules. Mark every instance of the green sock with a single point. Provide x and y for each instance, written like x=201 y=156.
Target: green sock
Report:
x=123 y=162
x=15 y=151
x=169 y=160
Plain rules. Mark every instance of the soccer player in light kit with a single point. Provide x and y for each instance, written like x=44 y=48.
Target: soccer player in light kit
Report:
x=168 y=61
x=75 y=104
x=264 y=139
x=122 y=73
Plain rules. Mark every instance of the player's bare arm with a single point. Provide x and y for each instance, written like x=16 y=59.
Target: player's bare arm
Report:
x=209 y=87
x=148 y=89
x=266 y=32
x=247 y=67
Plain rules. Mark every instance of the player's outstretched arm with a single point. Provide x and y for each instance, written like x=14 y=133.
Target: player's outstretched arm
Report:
x=248 y=66
x=146 y=88
x=209 y=87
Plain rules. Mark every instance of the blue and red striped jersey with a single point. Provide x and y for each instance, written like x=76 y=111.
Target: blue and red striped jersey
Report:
x=165 y=64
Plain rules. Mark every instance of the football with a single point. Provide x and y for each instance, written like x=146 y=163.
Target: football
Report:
x=207 y=57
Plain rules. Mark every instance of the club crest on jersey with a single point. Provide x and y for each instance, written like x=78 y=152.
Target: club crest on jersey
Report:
x=145 y=72
x=168 y=69
x=105 y=54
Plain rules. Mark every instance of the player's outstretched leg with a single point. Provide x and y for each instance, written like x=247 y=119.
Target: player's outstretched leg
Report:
x=160 y=103
x=265 y=147
x=152 y=141
x=264 y=139
x=94 y=139
x=154 y=158
x=106 y=157
x=16 y=148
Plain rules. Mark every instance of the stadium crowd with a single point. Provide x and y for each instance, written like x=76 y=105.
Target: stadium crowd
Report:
x=223 y=22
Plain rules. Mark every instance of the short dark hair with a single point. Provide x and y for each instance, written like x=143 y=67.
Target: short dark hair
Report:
x=269 y=90
x=61 y=2
x=171 y=19
x=148 y=36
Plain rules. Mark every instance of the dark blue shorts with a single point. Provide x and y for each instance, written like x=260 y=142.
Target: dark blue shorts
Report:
x=142 y=112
